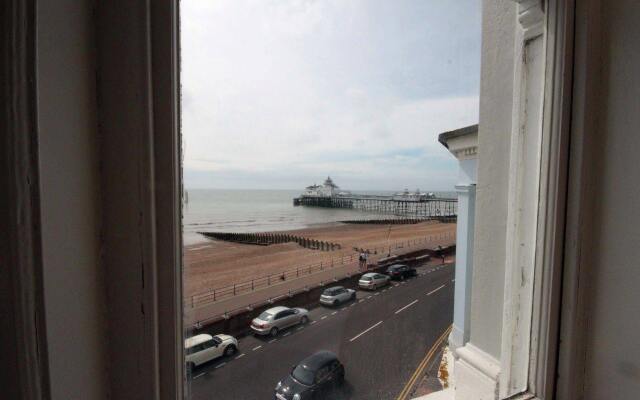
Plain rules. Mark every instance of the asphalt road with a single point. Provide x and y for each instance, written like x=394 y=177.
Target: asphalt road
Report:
x=381 y=338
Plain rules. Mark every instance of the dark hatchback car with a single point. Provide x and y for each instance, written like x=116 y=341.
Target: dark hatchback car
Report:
x=401 y=271
x=315 y=377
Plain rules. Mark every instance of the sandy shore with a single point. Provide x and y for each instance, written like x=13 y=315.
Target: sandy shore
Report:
x=213 y=264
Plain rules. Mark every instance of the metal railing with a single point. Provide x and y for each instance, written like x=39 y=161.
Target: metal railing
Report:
x=249 y=286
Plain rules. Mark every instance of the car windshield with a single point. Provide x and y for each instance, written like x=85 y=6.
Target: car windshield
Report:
x=331 y=292
x=265 y=316
x=366 y=278
x=303 y=375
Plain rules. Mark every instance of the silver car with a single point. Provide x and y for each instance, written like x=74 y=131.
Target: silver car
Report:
x=373 y=280
x=271 y=321
x=337 y=295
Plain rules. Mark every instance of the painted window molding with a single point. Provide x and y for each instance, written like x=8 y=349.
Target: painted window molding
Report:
x=523 y=198
x=537 y=198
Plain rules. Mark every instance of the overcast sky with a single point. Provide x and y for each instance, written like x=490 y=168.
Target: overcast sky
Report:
x=280 y=94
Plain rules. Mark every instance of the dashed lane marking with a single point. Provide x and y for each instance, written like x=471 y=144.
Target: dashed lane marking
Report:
x=365 y=331
x=220 y=365
x=272 y=340
x=334 y=313
x=239 y=356
x=256 y=348
x=435 y=290
x=313 y=322
x=407 y=306
x=368 y=297
x=323 y=317
x=286 y=334
x=300 y=328
x=198 y=376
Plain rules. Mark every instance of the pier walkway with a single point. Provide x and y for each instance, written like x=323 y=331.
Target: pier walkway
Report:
x=396 y=205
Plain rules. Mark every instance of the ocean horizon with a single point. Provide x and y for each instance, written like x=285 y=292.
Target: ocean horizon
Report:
x=257 y=210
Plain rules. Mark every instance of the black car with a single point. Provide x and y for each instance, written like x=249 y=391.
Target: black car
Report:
x=401 y=271
x=313 y=378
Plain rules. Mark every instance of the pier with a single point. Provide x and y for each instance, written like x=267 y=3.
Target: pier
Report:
x=433 y=208
x=405 y=204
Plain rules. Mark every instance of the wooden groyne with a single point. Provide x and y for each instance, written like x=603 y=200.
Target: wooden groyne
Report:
x=424 y=208
x=266 y=239
x=388 y=221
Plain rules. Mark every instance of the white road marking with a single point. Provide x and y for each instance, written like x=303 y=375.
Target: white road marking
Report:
x=323 y=317
x=365 y=331
x=313 y=322
x=286 y=334
x=300 y=328
x=239 y=356
x=368 y=297
x=198 y=376
x=220 y=365
x=334 y=313
x=377 y=294
x=434 y=290
x=272 y=340
x=352 y=304
x=361 y=300
x=384 y=290
x=256 y=348
x=453 y=280
x=407 y=306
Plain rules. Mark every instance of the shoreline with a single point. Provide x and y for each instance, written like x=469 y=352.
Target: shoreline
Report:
x=210 y=264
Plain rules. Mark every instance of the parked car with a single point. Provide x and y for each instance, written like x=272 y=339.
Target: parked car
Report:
x=271 y=321
x=313 y=378
x=202 y=348
x=401 y=271
x=337 y=295
x=373 y=280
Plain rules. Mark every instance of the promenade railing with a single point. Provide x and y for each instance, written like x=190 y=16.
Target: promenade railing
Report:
x=375 y=253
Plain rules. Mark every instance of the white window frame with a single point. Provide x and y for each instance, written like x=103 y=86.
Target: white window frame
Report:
x=536 y=222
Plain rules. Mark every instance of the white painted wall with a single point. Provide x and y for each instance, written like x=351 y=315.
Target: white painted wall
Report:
x=613 y=355
x=74 y=293
x=496 y=93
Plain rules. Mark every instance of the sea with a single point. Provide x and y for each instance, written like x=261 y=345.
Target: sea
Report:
x=246 y=211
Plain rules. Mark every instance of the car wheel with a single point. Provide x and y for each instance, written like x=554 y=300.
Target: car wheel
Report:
x=230 y=350
x=335 y=303
x=304 y=320
x=353 y=296
x=274 y=331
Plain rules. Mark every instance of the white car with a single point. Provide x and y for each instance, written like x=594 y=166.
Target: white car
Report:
x=202 y=348
x=373 y=280
x=271 y=321
x=337 y=295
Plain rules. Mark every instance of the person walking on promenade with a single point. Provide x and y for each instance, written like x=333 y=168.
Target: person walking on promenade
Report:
x=362 y=261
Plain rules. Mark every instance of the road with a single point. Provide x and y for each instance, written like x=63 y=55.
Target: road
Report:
x=381 y=338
